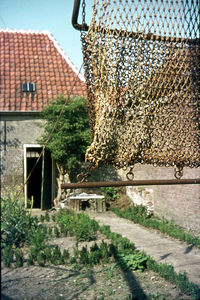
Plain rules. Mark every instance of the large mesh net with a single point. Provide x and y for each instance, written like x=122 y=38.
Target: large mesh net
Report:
x=141 y=61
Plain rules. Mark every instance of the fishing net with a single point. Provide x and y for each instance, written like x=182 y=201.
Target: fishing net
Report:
x=141 y=61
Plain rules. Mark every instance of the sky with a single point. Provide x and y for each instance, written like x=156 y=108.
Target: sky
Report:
x=52 y=15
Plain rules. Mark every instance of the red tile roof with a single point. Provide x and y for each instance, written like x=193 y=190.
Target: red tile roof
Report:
x=34 y=56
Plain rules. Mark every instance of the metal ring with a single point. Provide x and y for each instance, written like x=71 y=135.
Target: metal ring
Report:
x=130 y=176
x=178 y=174
x=78 y=178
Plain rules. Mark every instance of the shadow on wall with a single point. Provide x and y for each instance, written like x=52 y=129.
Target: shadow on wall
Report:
x=102 y=174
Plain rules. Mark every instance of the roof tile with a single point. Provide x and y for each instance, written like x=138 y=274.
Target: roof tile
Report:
x=34 y=56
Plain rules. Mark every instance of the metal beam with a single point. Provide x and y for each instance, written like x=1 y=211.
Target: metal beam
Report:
x=128 y=183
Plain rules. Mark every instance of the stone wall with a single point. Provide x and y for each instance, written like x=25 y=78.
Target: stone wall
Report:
x=14 y=134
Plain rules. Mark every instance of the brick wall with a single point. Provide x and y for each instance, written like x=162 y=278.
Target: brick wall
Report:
x=14 y=134
x=178 y=202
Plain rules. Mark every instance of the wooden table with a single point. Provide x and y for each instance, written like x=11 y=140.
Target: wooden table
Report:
x=97 y=202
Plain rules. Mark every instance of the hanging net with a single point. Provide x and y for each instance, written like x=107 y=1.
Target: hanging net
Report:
x=141 y=61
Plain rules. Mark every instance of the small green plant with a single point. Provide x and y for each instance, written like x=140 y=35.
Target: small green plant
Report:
x=56 y=255
x=79 y=225
x=66 y=253
x=37 y=241
x=73 y=260
x=95 y=257
x=65 y=231
x=56 y=231
x=47 y=217
x=49 y=232
x=136 y=261
x=47 y=252
x=64 y=257
x=53 y=218
x=110 y=193
x=76 y=251
x=7 y=255
x=42 y=218
x=30 y=260
x=19 y=258
x=41 y=259
x=84 y=256
x=105 y=252
x=105 y=229
x=45 y=229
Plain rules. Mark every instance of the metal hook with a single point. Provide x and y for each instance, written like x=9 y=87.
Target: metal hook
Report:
x=178 y=172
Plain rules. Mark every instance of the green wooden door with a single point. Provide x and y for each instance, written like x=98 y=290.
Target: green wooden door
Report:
x=46 y=186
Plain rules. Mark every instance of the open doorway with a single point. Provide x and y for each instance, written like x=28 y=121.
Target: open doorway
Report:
x=39 y=185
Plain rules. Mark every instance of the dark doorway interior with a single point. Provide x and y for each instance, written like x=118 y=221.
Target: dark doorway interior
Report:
x=34 y=183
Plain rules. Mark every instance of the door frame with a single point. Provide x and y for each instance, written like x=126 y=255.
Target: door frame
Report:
x=25 y=146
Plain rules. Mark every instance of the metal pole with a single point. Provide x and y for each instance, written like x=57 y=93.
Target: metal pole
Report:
x=75 y=13
x=128 y=183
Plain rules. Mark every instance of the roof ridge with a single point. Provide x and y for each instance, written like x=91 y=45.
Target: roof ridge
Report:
x=37 y=31
x=56 y=44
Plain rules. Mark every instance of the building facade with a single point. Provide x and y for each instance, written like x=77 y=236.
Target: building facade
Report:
x=34 y=70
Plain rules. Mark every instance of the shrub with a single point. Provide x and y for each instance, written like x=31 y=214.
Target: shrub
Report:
x=135 y=261
x=19 y=258
x=84 y=256
x=95 y=255
x=105 y=253
x=105 y=229
x=16 y=223
x=110 y=193
x=64 y=256
x=56 y=255
x=86 y=228
x=37 y=241
x=79 y=225
x=7 y=255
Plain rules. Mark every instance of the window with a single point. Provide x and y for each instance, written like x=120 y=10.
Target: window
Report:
x=28 y=87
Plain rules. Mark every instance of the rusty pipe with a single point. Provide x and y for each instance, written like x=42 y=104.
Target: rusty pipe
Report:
x=128 y=183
